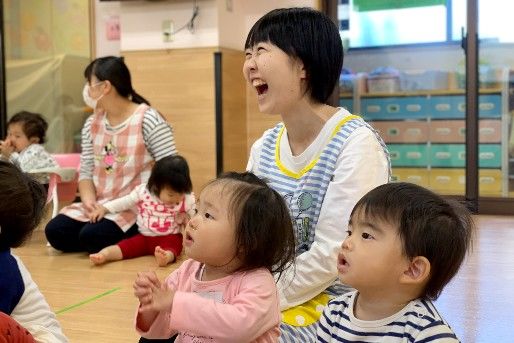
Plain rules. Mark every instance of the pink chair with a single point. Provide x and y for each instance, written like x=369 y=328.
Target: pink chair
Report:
x=63 y=183
x=67 y=190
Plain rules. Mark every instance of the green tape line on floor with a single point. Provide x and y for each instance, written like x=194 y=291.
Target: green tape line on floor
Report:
x=71 y=307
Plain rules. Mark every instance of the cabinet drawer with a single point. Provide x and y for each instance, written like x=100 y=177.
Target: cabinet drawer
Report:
x=454 y=106
x=454 y=131
x=419 y=176
x=394 y=108
x=402 y=131
x=454 y=155
x=454 y=181
x=346 y=103
x=408 y=155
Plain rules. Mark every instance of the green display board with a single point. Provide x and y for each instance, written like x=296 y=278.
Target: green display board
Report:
x=375 y=5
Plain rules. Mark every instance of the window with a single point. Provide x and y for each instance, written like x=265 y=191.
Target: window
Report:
x=374 y=23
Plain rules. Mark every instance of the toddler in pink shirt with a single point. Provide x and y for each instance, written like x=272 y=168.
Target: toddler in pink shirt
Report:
x=240 y=236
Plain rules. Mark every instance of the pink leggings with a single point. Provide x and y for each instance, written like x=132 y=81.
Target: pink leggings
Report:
x=12 y=332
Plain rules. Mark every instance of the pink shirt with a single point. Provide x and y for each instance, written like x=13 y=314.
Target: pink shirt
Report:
x=238 y=308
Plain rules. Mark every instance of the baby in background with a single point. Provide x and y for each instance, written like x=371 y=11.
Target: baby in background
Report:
x=24 y=144
x=241 y=234
x=163 y=205
x=404 y=244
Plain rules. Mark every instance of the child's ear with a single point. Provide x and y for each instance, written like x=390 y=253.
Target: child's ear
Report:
x=418 y=271
x=34 y=140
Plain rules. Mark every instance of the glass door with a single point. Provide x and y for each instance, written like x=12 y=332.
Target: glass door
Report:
x=405 y=73
x=46 y=48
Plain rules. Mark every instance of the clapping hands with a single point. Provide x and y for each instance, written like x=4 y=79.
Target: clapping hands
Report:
x=152 y=294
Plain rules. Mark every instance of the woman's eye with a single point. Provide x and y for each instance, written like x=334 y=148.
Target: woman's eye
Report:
x=366 y=235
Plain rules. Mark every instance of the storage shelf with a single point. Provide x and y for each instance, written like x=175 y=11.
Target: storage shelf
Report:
x=411 y=118
x=429 y=92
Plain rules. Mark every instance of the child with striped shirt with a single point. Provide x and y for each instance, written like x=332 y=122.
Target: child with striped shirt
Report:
x=404 y=244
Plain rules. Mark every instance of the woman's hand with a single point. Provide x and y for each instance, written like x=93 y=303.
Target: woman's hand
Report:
x=90 y=205
x=98 y=213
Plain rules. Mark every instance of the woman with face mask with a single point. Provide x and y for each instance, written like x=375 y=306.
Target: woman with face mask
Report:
x=120 y=142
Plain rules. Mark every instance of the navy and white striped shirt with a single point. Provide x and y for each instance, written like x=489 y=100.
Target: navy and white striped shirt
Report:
x=417 y=322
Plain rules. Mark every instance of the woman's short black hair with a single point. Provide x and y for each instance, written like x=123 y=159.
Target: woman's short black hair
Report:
x=428 y=225
x=170 y=171
x=22 y=202
x=33 y=124
x=308 y=35
x=264 y=230
x=114 y=70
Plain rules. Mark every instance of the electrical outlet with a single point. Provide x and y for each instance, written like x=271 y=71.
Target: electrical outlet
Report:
x=168 y=31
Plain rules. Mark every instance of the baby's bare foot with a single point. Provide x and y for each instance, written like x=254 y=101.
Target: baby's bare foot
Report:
x=163 y=257
x=98 y=258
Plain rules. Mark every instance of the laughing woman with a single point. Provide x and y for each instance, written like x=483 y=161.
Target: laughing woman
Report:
x=320 y=158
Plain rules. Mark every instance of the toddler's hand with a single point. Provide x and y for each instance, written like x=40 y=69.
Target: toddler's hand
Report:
x=181 y=220
x=6 y=148
x=161 y=299
x=143 y=285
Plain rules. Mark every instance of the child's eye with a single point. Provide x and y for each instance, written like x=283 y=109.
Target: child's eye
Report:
x=349 y=232
x=208 y=215
x=195 y=211
x=366 y=235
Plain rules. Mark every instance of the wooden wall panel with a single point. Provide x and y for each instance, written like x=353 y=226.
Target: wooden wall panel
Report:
x=180 y=84
x=235 y=153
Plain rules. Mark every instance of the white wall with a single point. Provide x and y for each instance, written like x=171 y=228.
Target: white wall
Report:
x=222 y=23
x=103 y=11
x=235 y=24
x=141 y=24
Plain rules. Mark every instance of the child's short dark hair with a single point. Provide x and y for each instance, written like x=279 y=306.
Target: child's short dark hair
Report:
x=170 y=171
x=33 y=124
x=428 y=225
x=309 y=35
x=264 y=231
x=22 y=200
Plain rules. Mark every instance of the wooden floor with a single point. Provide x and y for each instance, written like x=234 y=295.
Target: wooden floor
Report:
x=96 y=304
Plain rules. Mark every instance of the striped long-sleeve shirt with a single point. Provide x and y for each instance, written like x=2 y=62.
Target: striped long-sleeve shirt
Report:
x=157 y=134
x=417 y=322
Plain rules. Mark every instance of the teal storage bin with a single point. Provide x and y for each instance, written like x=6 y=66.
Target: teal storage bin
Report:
x=489 y=106
x=454 y=155
x=394 y=108
x=346 y=103
x=446 y=107
x=408 y=155
x=454 y=106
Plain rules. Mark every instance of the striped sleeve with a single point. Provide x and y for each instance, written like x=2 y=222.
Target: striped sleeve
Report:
x=324 y=327
x=86 y=157
x=158 y=135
